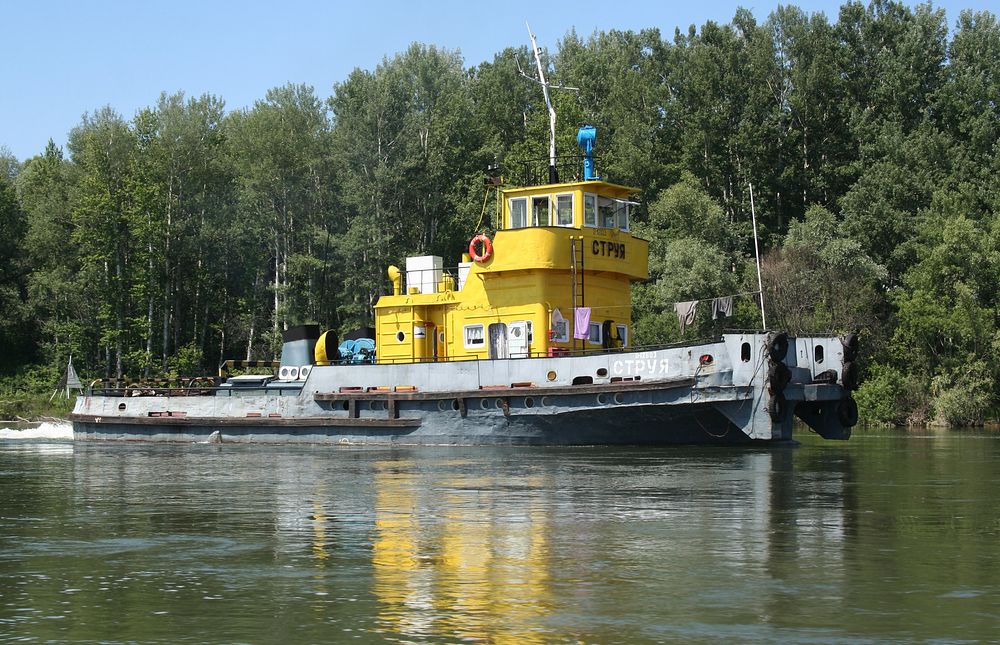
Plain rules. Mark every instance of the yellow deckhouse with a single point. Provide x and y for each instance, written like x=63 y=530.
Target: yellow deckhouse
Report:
x=560 y=250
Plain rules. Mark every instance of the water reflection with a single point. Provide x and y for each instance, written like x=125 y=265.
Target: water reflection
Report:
x=826 y=542
x=459 y=562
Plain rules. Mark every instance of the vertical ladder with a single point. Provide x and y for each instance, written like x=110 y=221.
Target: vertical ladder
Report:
x=576 y=271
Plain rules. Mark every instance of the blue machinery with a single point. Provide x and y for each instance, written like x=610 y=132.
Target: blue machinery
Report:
x=586 y=137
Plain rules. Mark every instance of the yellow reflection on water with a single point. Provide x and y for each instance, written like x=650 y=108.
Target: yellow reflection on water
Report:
x=459 y=562
x=319 y=544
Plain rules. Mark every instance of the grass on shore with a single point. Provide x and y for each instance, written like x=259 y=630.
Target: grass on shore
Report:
x=26 y=394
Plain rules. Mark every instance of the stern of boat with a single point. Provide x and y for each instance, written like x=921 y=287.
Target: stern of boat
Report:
x=811 y=378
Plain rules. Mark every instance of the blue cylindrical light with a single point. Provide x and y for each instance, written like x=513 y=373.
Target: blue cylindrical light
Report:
x=586 y=137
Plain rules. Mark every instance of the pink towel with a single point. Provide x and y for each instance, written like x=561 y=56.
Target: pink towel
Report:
x=581 y=318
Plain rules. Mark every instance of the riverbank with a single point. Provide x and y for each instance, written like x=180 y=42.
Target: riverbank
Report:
x=21 y=404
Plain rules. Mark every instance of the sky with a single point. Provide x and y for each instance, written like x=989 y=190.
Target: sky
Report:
x=60 y=59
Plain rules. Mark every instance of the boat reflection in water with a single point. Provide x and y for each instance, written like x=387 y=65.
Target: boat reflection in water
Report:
x=461 y=552
x=477 y=571
x=892 y=538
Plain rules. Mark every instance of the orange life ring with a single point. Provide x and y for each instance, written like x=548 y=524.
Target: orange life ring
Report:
x=487 y=248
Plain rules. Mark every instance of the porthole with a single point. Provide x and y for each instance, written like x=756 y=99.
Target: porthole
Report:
x=375 y=405
x=601 y=399
x=454 y=404
x=551 y=375
x=602 y=372
x=529 y=402
x=400 y=336
x=546 y=401
x=818 y=354
x=441 y=337
x=745 y=352
x=121 y=406
x=484 y=403
x=499 y=403
x=619 y=398
x=346 y=405
x=444 y=405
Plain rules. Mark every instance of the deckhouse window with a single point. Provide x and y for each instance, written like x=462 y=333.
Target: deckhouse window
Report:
x=564 y=210
x=605 y=212
x=622 y=334
x=621 y=214
x=595 y=334
x=474 y=336
x=590 y=210
x=518 y=212
x=540 y=210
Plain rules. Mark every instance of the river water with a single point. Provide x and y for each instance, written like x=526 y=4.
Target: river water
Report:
x=891 y=537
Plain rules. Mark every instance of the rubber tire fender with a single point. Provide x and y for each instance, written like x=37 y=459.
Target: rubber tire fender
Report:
x=778 y=377
x=849 y=376
x=850 y=343
x=777 y=346
x=847 y=412
x=777 y=407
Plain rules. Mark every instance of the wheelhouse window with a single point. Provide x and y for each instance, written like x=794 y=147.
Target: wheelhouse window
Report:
x=564 y=210
x=621 y=214
x=590 y=210
x=540 y=210
x=474 y=336
x=518 y=212
x=605 y=212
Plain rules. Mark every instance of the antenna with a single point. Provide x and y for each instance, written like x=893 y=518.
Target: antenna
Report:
x=756 y=253
x=548 y=101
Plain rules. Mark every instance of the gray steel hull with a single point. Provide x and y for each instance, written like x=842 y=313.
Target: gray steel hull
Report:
x=695 y=424
x=670 y=396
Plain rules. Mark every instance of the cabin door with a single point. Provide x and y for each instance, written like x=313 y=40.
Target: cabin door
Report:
x=517 y=341
x=498 y=340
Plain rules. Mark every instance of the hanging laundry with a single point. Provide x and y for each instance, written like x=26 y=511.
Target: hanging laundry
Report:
x=722 y=307
x=581 y=319
x=686 y=312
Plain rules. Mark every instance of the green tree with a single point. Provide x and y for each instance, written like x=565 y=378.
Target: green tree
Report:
x=946 y=333
x=821 y=280
x=280 y=149
x=103 y=147
x=693 y=255
x=56 y=291
x=409 y=153
x=15 y=327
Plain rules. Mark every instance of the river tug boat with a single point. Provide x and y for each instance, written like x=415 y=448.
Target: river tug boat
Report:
x=527 y=341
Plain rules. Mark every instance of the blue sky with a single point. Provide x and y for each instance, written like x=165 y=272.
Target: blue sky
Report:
x=61 y=59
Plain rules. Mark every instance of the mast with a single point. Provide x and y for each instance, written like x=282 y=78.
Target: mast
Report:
x=548 y=103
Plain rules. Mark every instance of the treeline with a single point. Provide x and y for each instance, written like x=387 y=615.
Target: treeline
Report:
x=188 y=234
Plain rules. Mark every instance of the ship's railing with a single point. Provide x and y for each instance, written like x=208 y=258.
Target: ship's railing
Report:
x=535 y=172
x=211 y=385
x=555 y=352
x=432 y=280
x=184 y=386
